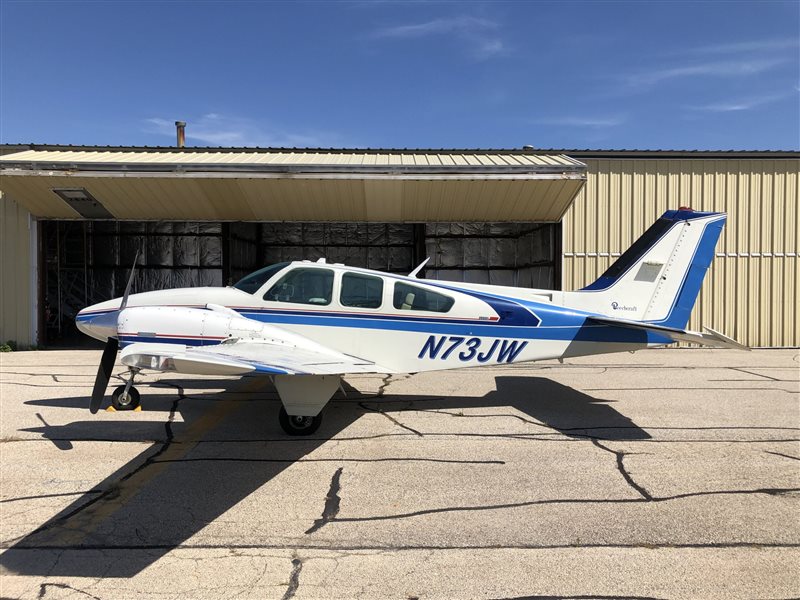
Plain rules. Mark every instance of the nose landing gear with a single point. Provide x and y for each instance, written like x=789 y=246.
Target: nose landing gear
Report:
x=126 y=397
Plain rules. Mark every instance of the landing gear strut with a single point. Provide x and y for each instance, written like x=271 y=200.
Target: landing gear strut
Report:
x=126 y=397
x=296 y=425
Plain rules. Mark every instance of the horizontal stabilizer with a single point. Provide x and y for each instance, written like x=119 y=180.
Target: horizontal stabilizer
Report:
x=711 y=338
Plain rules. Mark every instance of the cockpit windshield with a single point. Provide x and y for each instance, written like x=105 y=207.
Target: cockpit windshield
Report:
x=253 y=282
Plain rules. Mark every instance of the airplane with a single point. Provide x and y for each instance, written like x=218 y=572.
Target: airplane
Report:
x=306 y=324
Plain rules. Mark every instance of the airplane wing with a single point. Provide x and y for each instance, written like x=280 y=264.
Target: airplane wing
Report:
x=239 y=357
x=711 y=338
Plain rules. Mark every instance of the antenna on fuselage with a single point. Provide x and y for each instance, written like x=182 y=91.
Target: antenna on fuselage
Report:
x=416 y=271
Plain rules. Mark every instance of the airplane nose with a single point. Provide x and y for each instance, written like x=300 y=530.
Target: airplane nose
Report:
x=100 y=324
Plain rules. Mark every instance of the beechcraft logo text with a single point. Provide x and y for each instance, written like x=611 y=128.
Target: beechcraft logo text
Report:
x=618 y=306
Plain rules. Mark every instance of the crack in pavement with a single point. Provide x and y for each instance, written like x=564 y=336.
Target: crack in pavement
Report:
x=391 y=418
x=62 y=586
x=387 y=380
x=783 y=455
x=572 y=431
x=41 y=496
x=294 y=579
x=532 y=437
x=332 y=501
x=336 y=460
x=581 y=597
x=741 y=370
x=449 y=509
x=620 y=455
x=174 y=408
x=401 y=547
x=689 y=389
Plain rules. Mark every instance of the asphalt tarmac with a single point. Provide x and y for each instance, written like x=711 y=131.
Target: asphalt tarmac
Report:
x=660 y=474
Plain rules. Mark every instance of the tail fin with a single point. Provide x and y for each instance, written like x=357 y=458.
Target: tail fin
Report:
x=659 y=277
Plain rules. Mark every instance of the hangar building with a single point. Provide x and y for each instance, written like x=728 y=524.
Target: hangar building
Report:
x=73 y=217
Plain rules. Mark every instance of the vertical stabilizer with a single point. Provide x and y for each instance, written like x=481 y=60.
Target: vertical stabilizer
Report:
x=659 y=277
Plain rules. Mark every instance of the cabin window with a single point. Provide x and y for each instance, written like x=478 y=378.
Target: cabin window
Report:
x=411 y=297
x=303 y=286
x=361 y=291
x=253 y=282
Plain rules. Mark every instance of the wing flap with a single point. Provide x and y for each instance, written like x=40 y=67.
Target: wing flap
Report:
x=710 y=338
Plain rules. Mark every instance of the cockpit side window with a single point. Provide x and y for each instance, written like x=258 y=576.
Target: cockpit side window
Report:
x=253 y=282
x=411 y=297
x=361 y=291
x=303 y=286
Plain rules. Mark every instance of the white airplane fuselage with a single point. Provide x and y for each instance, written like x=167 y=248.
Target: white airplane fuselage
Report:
x=486 y=325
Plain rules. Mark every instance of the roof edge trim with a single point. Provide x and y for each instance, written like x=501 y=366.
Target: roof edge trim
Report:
x=572 y=152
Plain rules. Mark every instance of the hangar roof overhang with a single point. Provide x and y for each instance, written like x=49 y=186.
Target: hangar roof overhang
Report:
x=237 y=184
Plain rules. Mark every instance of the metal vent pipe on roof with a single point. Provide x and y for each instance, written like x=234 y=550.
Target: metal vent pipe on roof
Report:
x=180 y=126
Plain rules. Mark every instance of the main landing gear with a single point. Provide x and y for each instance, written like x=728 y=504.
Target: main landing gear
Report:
x=304 y=396
x=126 y=397
x=297 y=425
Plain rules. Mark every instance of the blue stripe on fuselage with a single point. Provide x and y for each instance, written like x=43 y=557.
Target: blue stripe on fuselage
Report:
x=577 y=330
x=131 y=339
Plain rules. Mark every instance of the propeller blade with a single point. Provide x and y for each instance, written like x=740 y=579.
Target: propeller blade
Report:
x=104 y=374
x=130 y=282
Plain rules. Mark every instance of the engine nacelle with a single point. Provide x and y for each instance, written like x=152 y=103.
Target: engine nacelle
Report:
x=197 y=327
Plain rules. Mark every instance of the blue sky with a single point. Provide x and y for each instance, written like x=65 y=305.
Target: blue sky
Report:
x=681 y=75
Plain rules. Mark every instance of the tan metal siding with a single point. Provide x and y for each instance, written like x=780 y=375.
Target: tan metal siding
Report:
x=752 y=291
x=16 y=268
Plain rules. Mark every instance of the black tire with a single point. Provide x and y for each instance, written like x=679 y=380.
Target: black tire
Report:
x=298 y=425
x=122 y=402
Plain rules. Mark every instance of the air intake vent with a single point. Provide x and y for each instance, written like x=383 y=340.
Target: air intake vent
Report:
x=83 y=203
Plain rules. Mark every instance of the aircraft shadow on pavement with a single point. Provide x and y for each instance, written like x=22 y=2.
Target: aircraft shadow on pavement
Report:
x=158 y=500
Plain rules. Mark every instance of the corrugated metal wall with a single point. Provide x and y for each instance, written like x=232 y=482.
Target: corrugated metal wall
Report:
x=17 y=300
x=751 y=292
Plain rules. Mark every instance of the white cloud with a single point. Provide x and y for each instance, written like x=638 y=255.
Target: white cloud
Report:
x=460 y=24
x=489 y=48
x=481 y=35
x=740 y=104
x=748 y=46
x=582 y=121
x=730 y=68
x=216 y=129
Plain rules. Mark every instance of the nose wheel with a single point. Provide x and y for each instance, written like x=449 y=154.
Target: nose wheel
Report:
x=125 y=397
x=298 y=425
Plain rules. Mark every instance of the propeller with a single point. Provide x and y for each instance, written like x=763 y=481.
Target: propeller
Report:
x=103 y=374
x=109 y=352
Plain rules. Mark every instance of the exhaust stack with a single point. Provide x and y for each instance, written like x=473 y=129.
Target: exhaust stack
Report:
x=180 y=127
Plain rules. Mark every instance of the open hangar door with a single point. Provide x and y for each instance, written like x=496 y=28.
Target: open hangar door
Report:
x=207 y=216
x=85 y=262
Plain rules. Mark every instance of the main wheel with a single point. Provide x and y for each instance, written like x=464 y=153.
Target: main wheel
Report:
x=294 y=425
x=122 y=401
